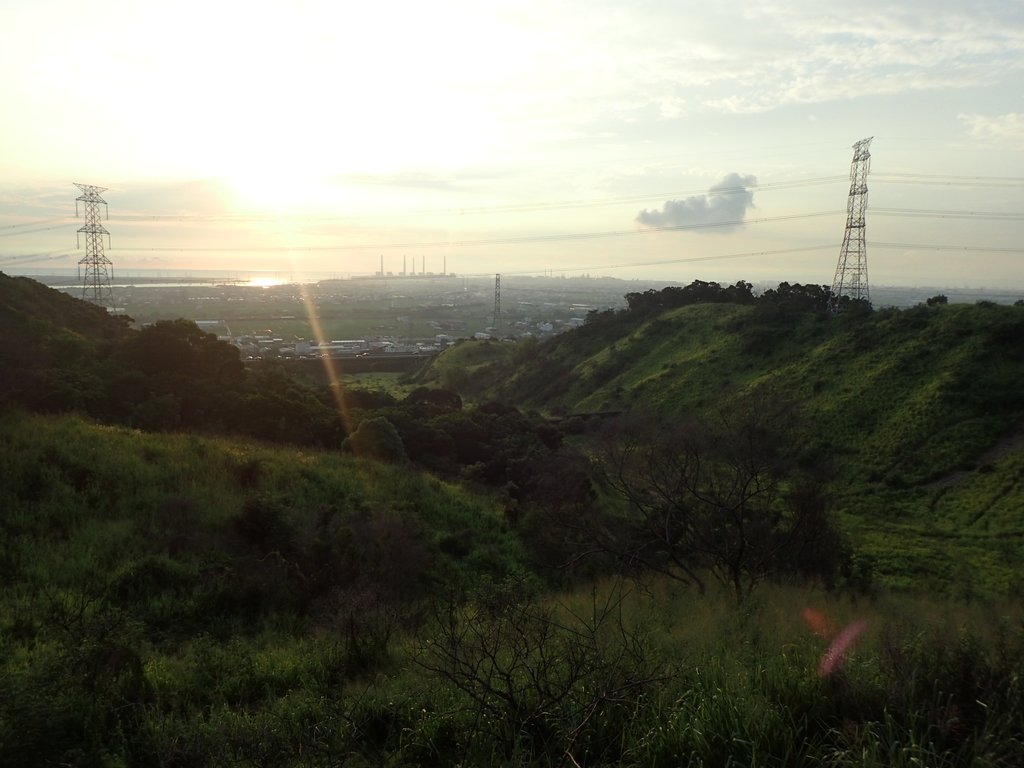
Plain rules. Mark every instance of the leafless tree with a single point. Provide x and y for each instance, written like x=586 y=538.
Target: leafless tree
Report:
x=722 y=498
x=541 y=673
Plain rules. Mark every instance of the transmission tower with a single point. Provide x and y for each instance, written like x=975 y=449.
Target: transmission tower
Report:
x=497 y=302
x=852 y=278
x=94 y=269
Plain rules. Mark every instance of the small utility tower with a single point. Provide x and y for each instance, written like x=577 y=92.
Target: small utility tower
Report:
x=94 y=269
x=852 y=278
x=497 y=303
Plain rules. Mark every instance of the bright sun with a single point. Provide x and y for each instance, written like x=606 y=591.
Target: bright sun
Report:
x=269 y=190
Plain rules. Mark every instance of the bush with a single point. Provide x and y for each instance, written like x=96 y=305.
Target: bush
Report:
x=545 y=685
x=376 y=438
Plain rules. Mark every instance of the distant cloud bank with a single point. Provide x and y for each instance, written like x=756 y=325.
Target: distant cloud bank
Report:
x=1008 y=128
x=726 y=201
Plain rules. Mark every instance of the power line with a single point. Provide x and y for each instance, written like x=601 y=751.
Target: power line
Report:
x=893 y=178
x=660 y=262
x=511 y=208
x=879 y=211
x=885 y=178
x=496 y=241
x=933 y=247
x=31 y=258
x=916 y=213
x=951 y=182
x=591 y=235
x=953 y=177
x=744 y=255
x=33 y=223
x=26 y=228
x=32 y=231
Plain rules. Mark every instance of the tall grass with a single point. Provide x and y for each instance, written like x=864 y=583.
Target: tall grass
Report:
x=160 y=607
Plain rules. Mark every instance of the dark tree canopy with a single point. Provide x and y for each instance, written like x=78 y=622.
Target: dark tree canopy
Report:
x=696 y=292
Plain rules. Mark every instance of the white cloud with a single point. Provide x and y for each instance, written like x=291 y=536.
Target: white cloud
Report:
x=726 y=201
x=748 y=57
x=1003 y=129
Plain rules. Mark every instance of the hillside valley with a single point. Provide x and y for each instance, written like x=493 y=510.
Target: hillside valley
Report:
x=919 y=412
x=206 y=563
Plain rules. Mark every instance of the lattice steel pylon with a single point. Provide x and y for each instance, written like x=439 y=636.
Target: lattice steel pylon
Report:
x=94 y=269
x=497 y=303
x=852 y=279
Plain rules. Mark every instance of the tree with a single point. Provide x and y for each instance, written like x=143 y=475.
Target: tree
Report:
x=274 y=405
x=697 y=292
x=724 y=498
x=440 y=398
x=796 y=298
x=194 y=376
x=179 y=347
x=544 y=681
x=376 y=438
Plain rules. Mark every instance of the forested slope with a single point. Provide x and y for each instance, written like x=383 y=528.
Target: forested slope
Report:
x=919 y=412
x=62 y=355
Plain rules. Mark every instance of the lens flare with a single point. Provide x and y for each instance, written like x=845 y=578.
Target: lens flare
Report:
x=840 y=647
x=819 y=623
x=333 y=381
x=842 y=642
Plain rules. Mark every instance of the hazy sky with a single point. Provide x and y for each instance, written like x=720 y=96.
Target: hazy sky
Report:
x=516 y=137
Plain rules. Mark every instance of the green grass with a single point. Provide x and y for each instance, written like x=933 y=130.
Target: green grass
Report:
x=140 y=624
x=78 y=497
x=192 y=601
x=392 y=383
x=897 y=402
x=464 y=367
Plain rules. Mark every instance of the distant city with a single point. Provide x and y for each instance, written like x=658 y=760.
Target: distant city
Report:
x=399 y=316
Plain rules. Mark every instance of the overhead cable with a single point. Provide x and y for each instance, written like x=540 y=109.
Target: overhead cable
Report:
x=495 y=241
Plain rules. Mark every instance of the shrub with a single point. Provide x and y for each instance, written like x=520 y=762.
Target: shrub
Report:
x=376 y=438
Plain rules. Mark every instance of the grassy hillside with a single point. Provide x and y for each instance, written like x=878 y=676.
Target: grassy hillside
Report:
x=920 y=412
x=187 y=600
x=127 y=558
x=171 y=600
x=89 y=504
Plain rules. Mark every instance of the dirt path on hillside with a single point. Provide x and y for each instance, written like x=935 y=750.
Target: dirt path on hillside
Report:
x=1003 y=448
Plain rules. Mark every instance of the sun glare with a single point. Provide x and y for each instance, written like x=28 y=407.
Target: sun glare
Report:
x=276 y=191
x=264 y=282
